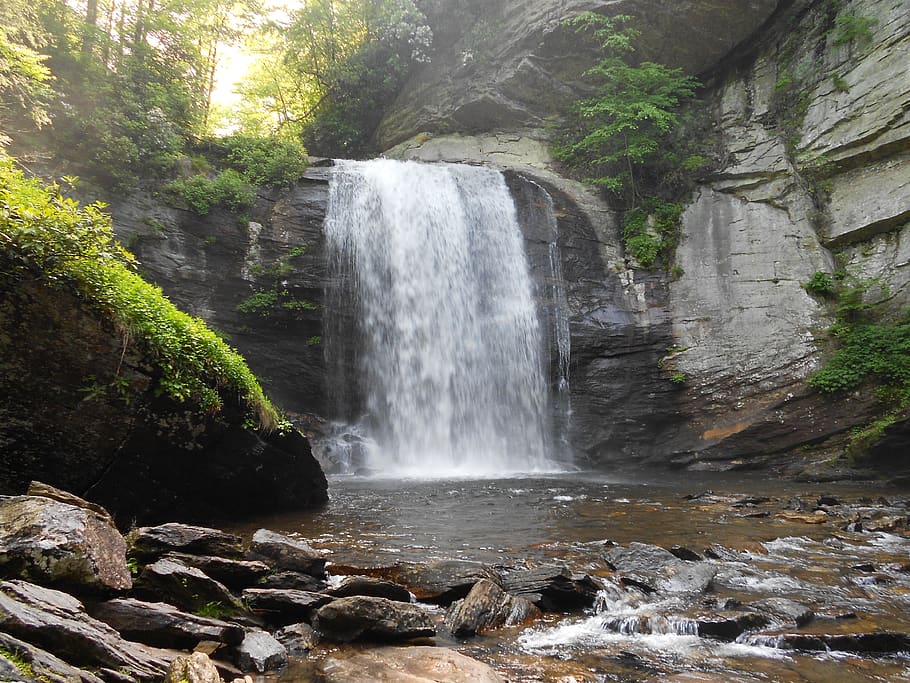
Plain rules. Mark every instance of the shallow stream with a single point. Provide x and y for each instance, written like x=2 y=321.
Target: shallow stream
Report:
x=767 y=539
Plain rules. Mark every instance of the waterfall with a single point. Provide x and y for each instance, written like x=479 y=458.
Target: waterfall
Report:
x=443 y=336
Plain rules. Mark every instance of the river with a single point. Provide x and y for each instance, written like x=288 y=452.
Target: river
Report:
x=765 y=539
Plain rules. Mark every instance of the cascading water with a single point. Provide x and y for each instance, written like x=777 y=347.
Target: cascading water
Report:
x=447 y=345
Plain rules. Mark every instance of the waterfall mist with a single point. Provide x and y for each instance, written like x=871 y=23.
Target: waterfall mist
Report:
x=445 y=341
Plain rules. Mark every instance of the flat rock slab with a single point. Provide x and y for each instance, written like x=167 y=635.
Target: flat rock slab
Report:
x=58 y=623
x=293 y=580
x=286 y=606
x=881 y=642
x=259 y=653
x=183 y=586
x=370 y=586
x=553 y=588
x=162 y=625
x=365 y=618
x=784 y=611
x=285 y=553
x=728 y=625
x=57 y=543
x=486 y=607
x=232 y=573
x=407 y=665
x=151 y=542
x=45 y=666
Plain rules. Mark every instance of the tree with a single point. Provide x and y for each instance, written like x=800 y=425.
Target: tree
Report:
x=24 y=77
x=615 y=133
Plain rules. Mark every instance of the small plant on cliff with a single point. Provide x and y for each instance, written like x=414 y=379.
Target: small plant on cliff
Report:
x=822 y=285
x=614 y=134
x=48 y=237
x=850 y=29
x=202 y=193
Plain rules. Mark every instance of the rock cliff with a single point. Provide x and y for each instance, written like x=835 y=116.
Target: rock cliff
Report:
x=796 y=191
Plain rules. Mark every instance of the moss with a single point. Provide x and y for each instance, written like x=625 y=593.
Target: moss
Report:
x=64 y=244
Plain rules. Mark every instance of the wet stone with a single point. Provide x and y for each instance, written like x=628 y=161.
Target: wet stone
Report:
x=686 y=554
x=298 y=639
x=784 y=611
x=487 y=607
x=260 y=653
x=724 y=626
x=45 y=666
x=292 y=580
x=407 y=665
x=553 y=588
x=444 y=581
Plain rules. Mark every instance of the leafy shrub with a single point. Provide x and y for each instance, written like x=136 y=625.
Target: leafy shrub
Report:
x=48 y=236
x=201 y=193
x=265 y=161
x=821 y=284
x=851 y=29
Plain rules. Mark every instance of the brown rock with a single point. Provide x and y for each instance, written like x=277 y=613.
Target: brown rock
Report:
x=407 y=665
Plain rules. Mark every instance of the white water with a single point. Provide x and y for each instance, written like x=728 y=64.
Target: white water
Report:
x=448 y=344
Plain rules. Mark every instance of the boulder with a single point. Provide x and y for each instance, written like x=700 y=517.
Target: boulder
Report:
x=486 y=607
x=58 y=623
x=232 y=573
x=784 y=611
x=38 y=488
x=298 y=639
x=283 y=552
x=653 y=568
x=162 y=625
x=150 y=543
x=259 y=653
x=728 y=625
x=553 y=588
x=183 y=586
x=194 y=668
x=284 y=606
x=365 y=618
x=57 y=543
x=880 y=642
x=406 y=665
x=44 y=666
x=369 y=586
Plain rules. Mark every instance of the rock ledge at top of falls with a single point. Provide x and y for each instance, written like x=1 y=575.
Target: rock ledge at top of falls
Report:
x=509 y=65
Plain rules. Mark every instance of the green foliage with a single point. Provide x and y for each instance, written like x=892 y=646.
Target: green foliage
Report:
x=651 y=229
x=297 y=252
x=272 y=296
x=821 y=284
x=133 y=565
x=260 y=303
x=202 y=193
x=620 y=130
x=24 y=80
x=789 y=104
x=48 y=236
x=265 y=160
x=851 y=29
x=870 y=351
x=315 y=340
x=18 y=660
x=678 y=378
x=216 y=610
x=840 y=84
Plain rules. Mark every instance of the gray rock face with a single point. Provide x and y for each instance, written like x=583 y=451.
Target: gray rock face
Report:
x=656 y=569
x=363 y=618
x=232 y=573
x=369 y=586
x=298 y=639
x=552 y=588
x=443 y=581
x=260 y=653
x=486 y=607
x=58 y=622
x=508 y=66
x=57 y=543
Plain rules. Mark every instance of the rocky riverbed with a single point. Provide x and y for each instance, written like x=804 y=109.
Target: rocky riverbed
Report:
x=824 y=600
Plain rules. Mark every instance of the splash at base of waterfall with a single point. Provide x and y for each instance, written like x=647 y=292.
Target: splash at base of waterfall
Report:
x=442 y=365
